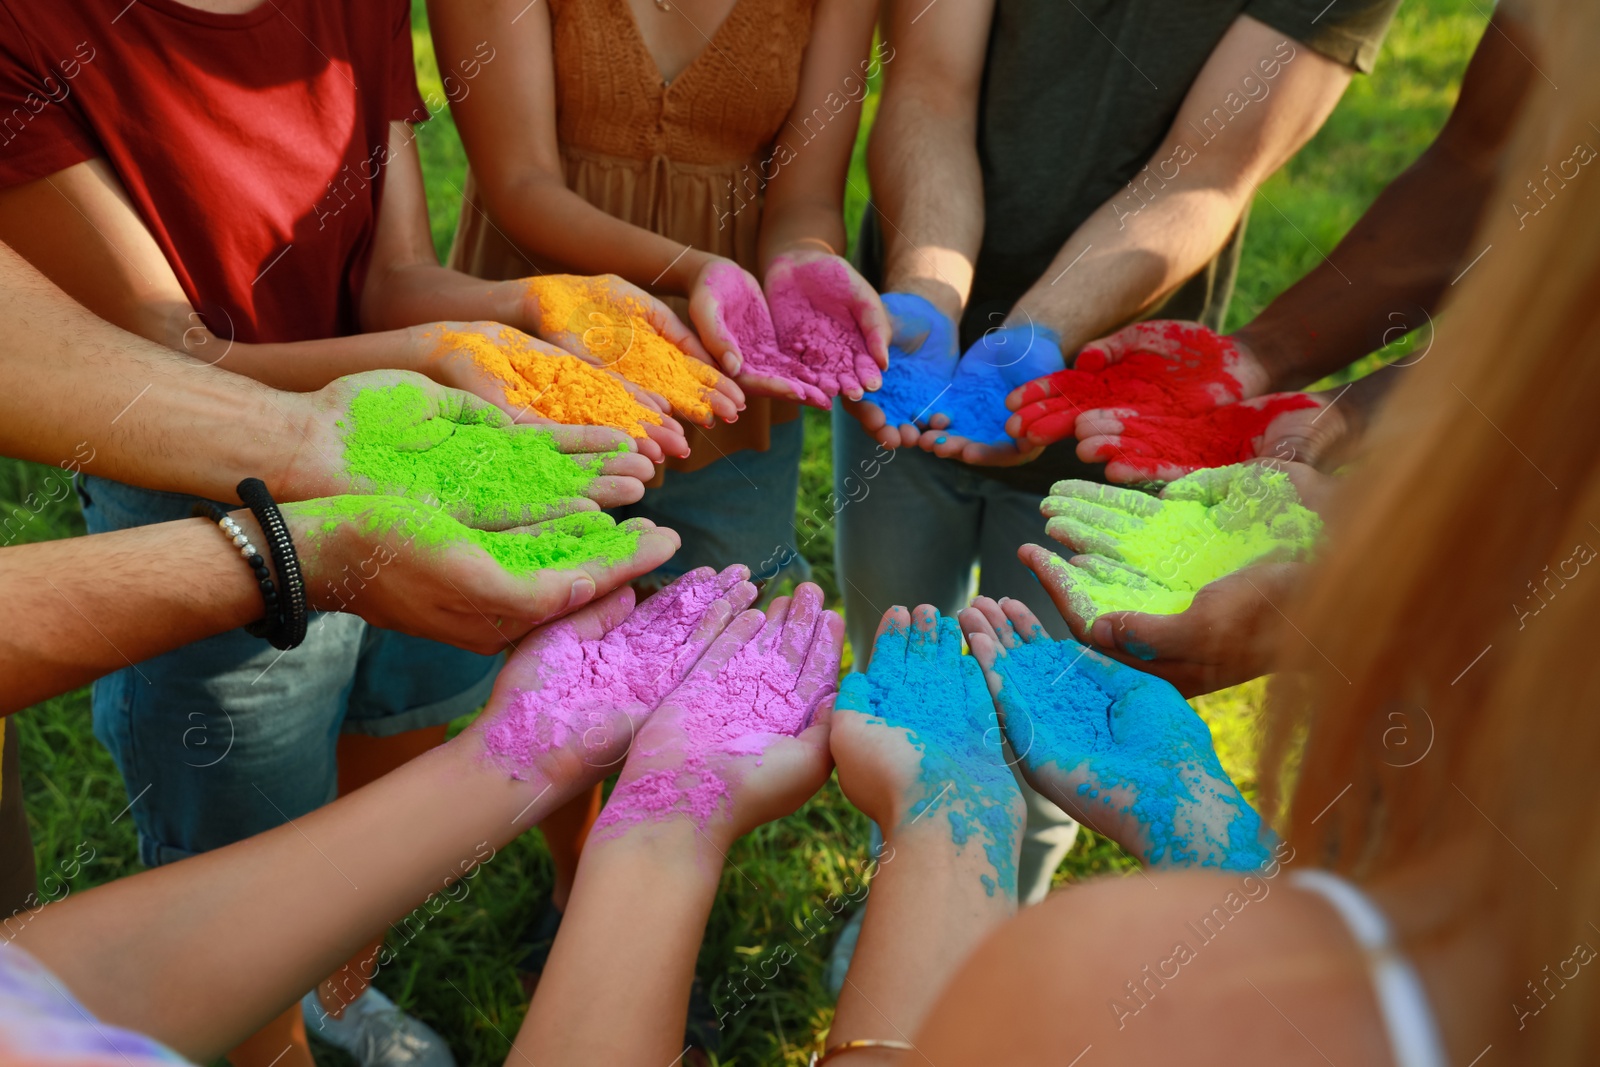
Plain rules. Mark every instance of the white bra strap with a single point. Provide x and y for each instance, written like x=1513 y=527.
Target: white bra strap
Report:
x=1414 y=1039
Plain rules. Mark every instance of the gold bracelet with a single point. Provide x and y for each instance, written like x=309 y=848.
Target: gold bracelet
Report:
x=860 y=1042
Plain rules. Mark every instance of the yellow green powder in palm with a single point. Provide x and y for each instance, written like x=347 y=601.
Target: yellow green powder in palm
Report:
x=1149 y=554
x=557 y=544
x=471 y=464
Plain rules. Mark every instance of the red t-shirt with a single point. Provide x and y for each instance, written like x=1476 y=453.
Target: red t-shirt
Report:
x=252 y=145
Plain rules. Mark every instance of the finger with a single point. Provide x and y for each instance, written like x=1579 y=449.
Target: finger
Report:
x=986 y=650
x=1084 y=538
x=890 y=646
x=923 y=640
x=819 y=678
x=1102 y=422
x=681 y=589
x=667 y=441
x=744 y=628
x=581 y=440
x=610 y=492
x=1060 y=581
x=1001 y=627
x=650 y=449
x=1129 y=501
x=868 y=414
x=1047 y=429
x=800 y=625
x=1029 y=630
x=1134 y=471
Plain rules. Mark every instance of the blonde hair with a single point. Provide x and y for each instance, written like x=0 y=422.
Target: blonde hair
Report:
x=1458 y=613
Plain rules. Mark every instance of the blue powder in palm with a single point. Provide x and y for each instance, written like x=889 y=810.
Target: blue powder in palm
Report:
x=921 y=683
x=1143 y=747
x=974 y=402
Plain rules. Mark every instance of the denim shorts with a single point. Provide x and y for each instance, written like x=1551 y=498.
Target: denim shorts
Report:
x=739 y=509
x=228 y=737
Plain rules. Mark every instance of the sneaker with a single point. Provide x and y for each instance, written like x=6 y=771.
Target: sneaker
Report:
x=377 y=1033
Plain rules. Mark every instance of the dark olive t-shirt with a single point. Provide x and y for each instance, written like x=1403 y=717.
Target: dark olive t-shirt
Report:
x=1077 y=98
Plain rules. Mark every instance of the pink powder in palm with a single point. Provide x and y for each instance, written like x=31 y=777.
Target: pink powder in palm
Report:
x=751 y=702
x=582 y=685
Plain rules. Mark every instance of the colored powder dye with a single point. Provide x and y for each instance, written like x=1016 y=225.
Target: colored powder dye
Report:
x=558 y=544
x=1193 y=379
x=562 y=388
x=1147 y=754
x=396 y=440
x=749 y=704
x=1152 y=555
x=584 y=684
x=921 y=683
x=818 y=340
x=1154 y=445
x=616 y=330
x=974 y=397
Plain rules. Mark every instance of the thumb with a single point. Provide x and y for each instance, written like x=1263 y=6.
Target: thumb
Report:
x=1146 y=637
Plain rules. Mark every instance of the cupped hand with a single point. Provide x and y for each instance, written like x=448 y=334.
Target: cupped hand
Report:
x=730 y=311
x=606 y=320
x=1152 y=554
x=1115 y=747
x=1230 y=632
x=393 y=432
x=536 y=383
x=917 y=744
x=969 y=422
x=579 y=689
x=923 y=353
x=1162 y=448
x=832 y=330
x=403 y=565
x=743 y=739
x=1161 y=367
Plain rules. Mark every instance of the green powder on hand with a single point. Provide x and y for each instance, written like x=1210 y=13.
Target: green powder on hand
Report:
x=1153 y=555
x=396 y=439
x=557 y=544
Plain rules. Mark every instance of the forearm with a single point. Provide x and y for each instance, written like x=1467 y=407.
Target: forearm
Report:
x=1117 y=265
x=927 y=910
x=1391 y=270
x=640 y=900
x=802 y=225
x=557 y=228
x=95 y=604
x=305 y=366
x=928 y=187
x=160 y=951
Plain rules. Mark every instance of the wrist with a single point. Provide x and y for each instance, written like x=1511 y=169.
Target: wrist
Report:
x=1261 y=346
x=945 y=296
x=681 y=278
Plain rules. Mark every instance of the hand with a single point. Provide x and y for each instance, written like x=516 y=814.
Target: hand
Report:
x=1229 y=633
x=1118 y=749
x=539 y=384
x=1163 y=448
x=405 y=566
x=744 y=738
x=970 y=421
x=1309 y=435
x=923 y=353
x=579 y=689
x=1136 y=552
x=832 y=331
x=392 y=432
x=730 y=311
x=1157 y=367
x=616 y=325
x=917 y=733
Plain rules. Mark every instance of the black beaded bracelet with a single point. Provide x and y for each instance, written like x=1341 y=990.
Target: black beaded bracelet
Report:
x=232 y=530
x=288 y=628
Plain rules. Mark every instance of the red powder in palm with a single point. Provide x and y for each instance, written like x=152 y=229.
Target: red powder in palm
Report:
x=1217 y=438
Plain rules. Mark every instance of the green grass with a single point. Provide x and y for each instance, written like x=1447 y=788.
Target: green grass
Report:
x=458 y=972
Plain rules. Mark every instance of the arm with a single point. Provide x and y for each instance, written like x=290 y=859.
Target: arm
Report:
x=396 y=563
x=1136 y=251
x=923 y=155
x=916 y=749
x=1396 y=263
x=159 y=951
x=650 y=869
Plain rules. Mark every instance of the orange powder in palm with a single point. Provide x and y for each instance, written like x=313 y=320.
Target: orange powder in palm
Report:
x=614 y=328
x=562 y=388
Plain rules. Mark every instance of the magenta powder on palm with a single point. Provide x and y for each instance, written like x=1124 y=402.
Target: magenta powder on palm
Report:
x=748 y=705
x=818 y=340
x=582 y=684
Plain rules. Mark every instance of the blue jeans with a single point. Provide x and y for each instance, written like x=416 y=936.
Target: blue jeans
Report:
x=228 y=737
x=739 y=509
x=910 y=528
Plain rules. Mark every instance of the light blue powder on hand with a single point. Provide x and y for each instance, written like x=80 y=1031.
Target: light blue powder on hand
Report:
x=921 y=683
x=1143 y=748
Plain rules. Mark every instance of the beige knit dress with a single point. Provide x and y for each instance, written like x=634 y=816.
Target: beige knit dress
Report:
x=683 y=160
